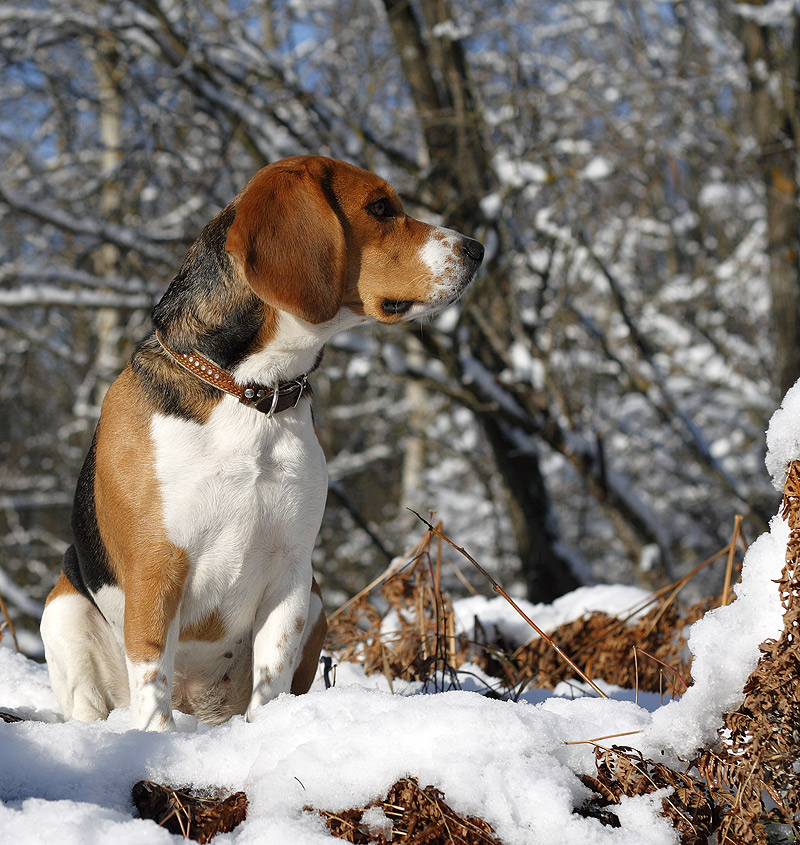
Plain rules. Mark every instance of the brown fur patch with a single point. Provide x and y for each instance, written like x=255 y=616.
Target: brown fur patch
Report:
x=127 y=498
x=63 y=587
x=150 y=569
x=210 y=629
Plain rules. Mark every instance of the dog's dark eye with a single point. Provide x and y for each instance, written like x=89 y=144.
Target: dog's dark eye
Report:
x=381 y=209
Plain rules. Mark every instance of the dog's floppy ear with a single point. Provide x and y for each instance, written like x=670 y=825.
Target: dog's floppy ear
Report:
x=290 y=242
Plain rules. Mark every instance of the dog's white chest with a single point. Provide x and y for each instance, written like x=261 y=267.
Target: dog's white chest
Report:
x=238 y=492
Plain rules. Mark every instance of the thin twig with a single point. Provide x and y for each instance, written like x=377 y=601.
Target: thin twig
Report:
x=463 y=579
x=678 y=585
x=498 y=589
x=10 y=623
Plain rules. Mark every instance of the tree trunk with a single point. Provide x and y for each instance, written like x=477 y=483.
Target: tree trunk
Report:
x=546 y=571
x=769 y=61
x=460 y=174
x=108 y=73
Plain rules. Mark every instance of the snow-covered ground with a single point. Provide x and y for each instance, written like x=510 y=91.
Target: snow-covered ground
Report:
x=512 y=763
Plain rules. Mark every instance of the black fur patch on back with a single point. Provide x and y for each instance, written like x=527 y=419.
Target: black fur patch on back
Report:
x=86 y=563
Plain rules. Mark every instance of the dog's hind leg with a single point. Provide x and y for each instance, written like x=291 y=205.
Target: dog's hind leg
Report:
x=85 y=661
x=313 y=638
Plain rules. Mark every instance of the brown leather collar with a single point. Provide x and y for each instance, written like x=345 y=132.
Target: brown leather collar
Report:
x=268 y=400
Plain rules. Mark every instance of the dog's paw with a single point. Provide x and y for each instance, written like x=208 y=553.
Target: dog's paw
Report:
x=262 y=695
x=160 y=722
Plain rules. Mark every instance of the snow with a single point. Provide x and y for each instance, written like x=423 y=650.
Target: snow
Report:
x=598 y=168
x=783 y=437
x=615 y=600
x=774 y=13
x=515 y=764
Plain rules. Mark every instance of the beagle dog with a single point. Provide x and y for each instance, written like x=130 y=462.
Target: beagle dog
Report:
x=189 y=584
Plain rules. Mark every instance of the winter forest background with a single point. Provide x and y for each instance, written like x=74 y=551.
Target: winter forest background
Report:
x=595 y=410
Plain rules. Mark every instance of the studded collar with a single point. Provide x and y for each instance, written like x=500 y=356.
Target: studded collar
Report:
x=267 y=400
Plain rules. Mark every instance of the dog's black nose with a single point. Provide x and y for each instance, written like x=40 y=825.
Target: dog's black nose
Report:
x=473 y=249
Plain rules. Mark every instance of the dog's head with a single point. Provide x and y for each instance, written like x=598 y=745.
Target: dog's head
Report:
x=313 y=236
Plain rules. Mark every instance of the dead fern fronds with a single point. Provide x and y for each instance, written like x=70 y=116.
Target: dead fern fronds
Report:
x=623 y=771
x=410 y=814
x=405 y=629
x=189 y=813
x=606 y=650
x=724 y=790
x=412 y=636
x=759 y=747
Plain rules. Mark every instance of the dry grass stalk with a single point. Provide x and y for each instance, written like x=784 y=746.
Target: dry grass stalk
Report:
x=187 y=813
x=726 y=587
x=413 y=816
x=421 y=644
x=394 y=567
x=498 y=589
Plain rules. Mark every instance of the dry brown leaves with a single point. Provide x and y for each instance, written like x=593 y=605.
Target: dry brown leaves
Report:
x=194 y=815
x=409 y=814
x=759 y=747
x=649 y=654
x=623 y=771
x=421 y=644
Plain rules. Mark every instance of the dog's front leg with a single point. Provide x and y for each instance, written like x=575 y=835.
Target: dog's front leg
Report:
x=277 y=636
x=152 y=628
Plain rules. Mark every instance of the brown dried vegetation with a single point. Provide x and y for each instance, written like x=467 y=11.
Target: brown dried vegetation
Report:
x=727 y=788
x=195 y=815
x=414 y=816
x=722 y=792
